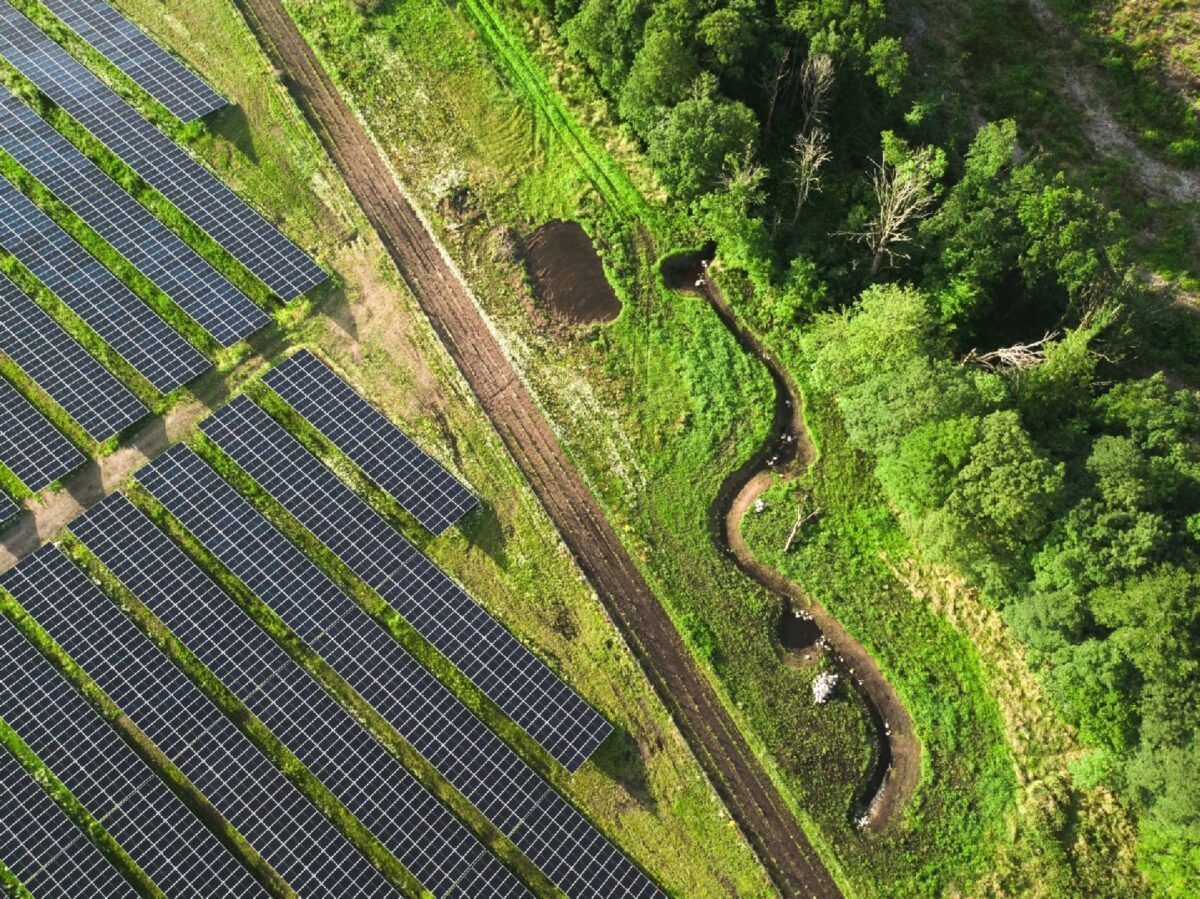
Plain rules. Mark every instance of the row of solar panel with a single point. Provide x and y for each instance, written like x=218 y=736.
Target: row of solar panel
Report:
x=509 y=793
x=36 y=343
x=295 y=707
x=436 y=607
x=149 y=66
x=278 y=821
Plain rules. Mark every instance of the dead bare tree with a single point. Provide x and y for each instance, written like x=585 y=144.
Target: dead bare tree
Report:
x=810 y=152
x=904 y=195
x=816 y=81
x=776 y=74
x=742 y=180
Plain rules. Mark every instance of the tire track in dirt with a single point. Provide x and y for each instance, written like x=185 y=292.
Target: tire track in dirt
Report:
x=727 y=758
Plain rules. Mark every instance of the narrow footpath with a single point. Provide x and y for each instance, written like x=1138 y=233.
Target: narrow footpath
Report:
x=744 y=785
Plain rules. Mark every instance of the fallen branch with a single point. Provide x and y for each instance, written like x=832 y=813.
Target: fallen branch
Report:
x=1019 y=356
x=801 y=520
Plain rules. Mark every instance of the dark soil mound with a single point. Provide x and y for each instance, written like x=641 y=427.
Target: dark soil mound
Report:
x=568 y=275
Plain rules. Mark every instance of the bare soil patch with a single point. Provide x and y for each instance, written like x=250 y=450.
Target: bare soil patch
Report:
x=738 y=775
x=568 y=275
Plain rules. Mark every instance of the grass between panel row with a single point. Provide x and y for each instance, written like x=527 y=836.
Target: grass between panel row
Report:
x=81 y=817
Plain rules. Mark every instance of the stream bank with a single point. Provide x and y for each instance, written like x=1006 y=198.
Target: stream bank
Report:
x=785 y=454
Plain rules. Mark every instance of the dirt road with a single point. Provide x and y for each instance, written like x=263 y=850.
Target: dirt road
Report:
x=727 y=758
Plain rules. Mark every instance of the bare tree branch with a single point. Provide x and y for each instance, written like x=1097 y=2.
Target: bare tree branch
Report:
x=801 y=520
x=904 y=195
x=776 y=74
x=810 y=152
x=816 y=81
x=1018 y=357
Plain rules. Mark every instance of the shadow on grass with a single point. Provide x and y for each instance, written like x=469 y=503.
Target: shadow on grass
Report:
x=231 y=124
x=622 y=759
x=483 y=529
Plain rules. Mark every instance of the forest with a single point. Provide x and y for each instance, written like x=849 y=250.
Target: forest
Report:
x=983 y=317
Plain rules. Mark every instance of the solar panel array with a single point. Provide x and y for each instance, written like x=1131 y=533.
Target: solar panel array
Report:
x=167 y=167
x=439 y=851
x=146 y=243
x=30 y=447
x=436 y=607
x=60 y=366
x=108 y=778
x=8 y=509
x=420 y=485
x=95 y=294
x=551 y=833
x=41 y=846
x=149 y=66
x=241 y=783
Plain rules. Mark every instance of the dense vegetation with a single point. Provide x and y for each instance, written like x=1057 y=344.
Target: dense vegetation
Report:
x=976 y=318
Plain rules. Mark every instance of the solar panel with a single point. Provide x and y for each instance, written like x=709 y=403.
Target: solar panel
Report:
x=147 y=64
x=550 y=832
x=30 y=447
x=420 y=485
x=167 y=167
x=108 y=778
x=439 y=609
x=93 y=293
x=241 y=783
x=146 y=243
x=8 y=509
x=50 y=356
x=44 y=849
x=439 y=851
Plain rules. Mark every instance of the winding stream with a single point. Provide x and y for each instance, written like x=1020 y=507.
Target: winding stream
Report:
x=786 y=453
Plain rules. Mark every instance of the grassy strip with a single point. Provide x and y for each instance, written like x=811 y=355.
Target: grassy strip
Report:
x=10 y=885
x=530 y=84
x=149 y=753
x=237 y=712
x=11 y=484
x=82 y=818
x=266 y=618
